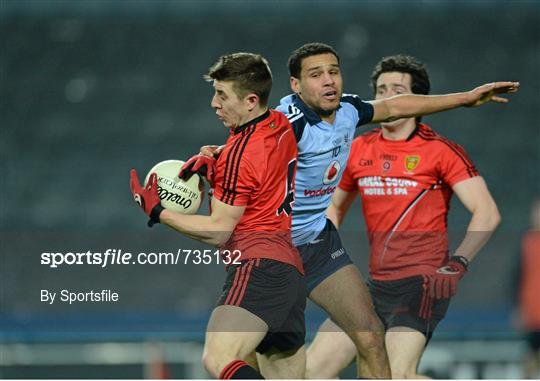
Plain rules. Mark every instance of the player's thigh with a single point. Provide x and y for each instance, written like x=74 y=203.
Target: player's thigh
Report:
x=345 y=297
x=330 y=342
x=282 y=351
x=289 y=364
x=232 y=333
x=404 y=346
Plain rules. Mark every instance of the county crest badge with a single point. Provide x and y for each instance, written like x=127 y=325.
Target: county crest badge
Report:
x=411 y=162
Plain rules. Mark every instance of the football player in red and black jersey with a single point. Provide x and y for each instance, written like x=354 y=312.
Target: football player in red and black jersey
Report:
x=264 y=296
x=405 y=174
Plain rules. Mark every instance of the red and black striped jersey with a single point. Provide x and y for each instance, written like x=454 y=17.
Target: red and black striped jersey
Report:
x=256 y=170
x=406 y=187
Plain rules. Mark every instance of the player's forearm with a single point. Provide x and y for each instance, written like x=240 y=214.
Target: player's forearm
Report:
x=482 y=225
x=335 y=215
x=410 y=105
x=339 y=205
x=201 y=228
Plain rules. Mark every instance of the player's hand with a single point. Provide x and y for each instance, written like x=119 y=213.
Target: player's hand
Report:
x=443 y=284
x=201 y=164
x=211 y=151
x=489 y=93
x=147 y=197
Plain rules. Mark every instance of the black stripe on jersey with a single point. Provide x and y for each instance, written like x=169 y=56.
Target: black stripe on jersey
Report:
x=452 y=145
x=229 y=166
x=471 y=169
x=298 y=121
x=426 y=132
x=250 y=132
x=364 y=109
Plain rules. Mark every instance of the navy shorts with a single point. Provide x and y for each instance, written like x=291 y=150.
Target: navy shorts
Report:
x=323 y=256
x=405 y=303
x=275 y=292
x=533 y=340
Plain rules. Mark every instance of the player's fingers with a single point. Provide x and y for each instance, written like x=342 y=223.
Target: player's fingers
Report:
x=190 y=162
x=431 y=285
x=499 y=99
x=453 y=288
x=437 y=288
x=508 y=89
x=187 y=168
x=197 y=165
x=507 y=84
x=447 y=289
x=152 y=182
x=208 y=150
x=134 y=181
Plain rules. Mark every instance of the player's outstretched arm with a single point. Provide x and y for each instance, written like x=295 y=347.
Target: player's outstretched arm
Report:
x=215 y=229
x=411 y=105
x=341 y=202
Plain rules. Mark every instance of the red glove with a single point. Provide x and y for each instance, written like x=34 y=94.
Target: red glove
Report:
x=147 y=197
x=443 y=284
x=201 y=164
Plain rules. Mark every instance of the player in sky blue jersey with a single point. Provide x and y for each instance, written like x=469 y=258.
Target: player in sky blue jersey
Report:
x=324 y=122
x=323 y=151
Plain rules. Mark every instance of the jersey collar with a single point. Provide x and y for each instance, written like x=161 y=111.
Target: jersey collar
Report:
x=311 y=116
x=412 y=134
x=252 y=122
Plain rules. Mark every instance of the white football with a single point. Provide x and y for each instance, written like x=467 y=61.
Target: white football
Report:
x=176 y=194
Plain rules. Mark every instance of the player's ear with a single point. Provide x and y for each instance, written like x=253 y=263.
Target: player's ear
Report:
x=295 y=85
x=252 y=101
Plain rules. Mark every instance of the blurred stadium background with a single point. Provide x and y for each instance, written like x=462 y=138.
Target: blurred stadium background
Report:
x=90 y=89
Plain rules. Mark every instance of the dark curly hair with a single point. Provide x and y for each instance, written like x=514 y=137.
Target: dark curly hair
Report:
x=403 y=63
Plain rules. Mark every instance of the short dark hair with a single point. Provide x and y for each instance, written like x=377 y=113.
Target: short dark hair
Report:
x=403 y=63
x=307 y=50
x=249 y=73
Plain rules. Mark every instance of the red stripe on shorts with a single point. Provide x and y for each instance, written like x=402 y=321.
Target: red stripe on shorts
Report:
x=427 y=302
x=235 y=283
x=245 y=282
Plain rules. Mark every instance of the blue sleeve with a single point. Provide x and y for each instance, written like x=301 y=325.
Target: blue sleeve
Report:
x=365 y=110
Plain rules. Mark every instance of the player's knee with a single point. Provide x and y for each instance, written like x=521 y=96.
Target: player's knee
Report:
x=375 y=325
x=369 y=341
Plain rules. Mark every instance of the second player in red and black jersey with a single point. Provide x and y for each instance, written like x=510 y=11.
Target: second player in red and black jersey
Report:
x=405 y=174
x=406 y=187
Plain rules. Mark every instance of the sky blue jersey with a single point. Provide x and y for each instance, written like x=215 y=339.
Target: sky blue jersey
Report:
x=323 y=149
